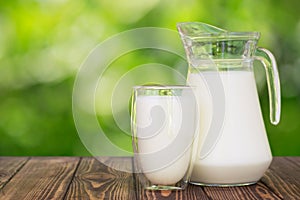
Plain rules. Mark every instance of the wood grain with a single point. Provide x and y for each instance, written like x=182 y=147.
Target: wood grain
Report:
x=86 y=178
x=41 y=178
x=283 y=177
x=94 y=180
x=9 y=166
x=256 y=191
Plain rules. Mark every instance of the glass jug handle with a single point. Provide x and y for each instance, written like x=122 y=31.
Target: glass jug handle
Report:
x=269 y=62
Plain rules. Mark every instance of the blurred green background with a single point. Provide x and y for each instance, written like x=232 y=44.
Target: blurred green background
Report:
x=44 y=42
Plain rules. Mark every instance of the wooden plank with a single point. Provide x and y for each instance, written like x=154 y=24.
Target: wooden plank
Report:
x=94 y=180
x=41 y=178
x=9 y=166
x=50 y=178
x=283 y=177
x=251 y=192
x=257 y=191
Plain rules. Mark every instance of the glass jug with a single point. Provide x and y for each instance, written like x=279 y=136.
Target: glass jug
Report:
x=233 y=147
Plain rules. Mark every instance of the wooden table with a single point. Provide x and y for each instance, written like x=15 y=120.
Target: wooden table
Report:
x=83 y=178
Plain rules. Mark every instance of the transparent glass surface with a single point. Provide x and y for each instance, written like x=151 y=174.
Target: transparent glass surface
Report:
x=164 y=122
x=231 y=123
x=209 y=48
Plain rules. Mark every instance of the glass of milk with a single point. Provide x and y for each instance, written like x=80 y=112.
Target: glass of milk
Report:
x=164 y=122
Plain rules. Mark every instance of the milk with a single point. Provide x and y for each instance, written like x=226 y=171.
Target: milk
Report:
x=165 y=130
x=236 y=151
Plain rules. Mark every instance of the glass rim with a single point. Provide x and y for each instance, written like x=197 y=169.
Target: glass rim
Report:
x=162 y=87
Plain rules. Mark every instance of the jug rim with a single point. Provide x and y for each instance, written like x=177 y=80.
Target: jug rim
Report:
x=220 y=35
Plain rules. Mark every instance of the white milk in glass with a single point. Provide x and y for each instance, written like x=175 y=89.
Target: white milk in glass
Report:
x=240 y=153
x=159 y=123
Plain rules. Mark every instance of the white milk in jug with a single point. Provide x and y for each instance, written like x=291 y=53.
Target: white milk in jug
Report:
x=236 y=151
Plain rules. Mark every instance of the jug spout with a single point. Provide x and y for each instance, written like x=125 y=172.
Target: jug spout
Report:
x=194 y=29
x=191 y=34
